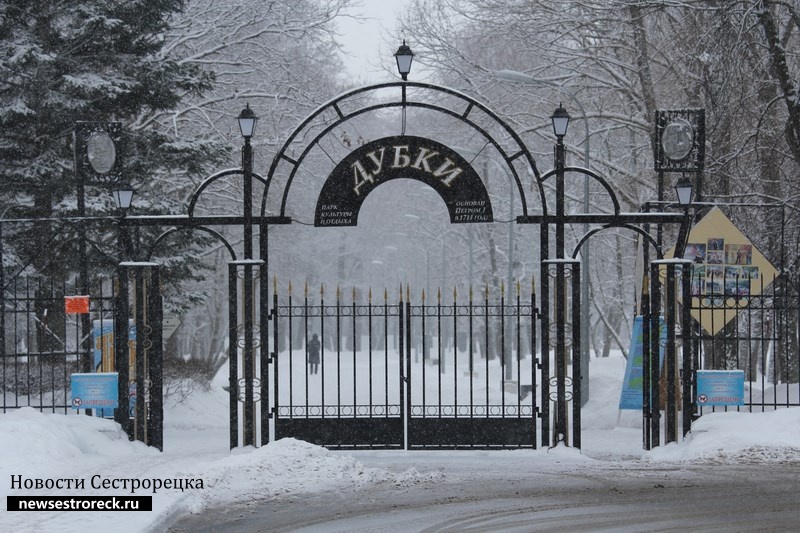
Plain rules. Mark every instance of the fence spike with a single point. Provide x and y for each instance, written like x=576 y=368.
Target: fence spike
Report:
x=487 y=291
x=290 y=288
x=455 y=294
x=439 y=295
x=275 y=284
x=470 y=294
x=408 y=292
x=338 y=293
x=423 y=295
x=533 y=287
x=354 y=293
x=401 y=293
x=305 y=290
x=502 y=288
x=321 y=290
x=518 y=288
x=385 y=295
x=369 y=294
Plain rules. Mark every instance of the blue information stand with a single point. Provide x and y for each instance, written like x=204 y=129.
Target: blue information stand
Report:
x=633 y=383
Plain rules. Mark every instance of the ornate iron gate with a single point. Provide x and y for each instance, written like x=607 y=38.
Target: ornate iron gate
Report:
x=354 y=399
x=480 y=391
x=397 y=375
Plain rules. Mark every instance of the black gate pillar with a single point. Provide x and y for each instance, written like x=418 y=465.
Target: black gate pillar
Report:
x=565 y=338
x=138 y=300
x=244 y=332
x=689 y=367
x=671 y=272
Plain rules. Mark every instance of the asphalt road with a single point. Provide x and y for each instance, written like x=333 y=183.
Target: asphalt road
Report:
x=502 y=493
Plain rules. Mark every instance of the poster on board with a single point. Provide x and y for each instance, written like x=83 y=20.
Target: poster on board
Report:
x=633 y=382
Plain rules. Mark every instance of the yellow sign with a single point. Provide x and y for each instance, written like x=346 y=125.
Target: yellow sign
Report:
x=727 y=270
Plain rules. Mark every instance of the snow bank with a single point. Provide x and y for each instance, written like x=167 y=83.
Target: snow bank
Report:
x=735 y=437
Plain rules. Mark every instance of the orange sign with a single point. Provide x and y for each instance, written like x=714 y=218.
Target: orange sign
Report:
x=76 y=305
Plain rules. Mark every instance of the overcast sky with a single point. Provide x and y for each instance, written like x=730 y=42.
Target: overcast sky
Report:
x=365 y=41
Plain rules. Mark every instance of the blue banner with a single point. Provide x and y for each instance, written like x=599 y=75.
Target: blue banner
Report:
x=633 y=383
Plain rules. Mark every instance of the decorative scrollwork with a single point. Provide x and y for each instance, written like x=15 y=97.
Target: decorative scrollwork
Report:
x=554 y=332
x=567 y=391
x=254 y=272
x=553 y=268
x=242 y=394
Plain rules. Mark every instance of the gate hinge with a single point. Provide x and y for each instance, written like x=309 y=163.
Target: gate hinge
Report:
x=538 y=362
x=272 y=357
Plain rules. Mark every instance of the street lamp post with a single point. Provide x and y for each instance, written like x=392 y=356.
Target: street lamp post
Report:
x=404 y=57
x=684 y=190
x=560 y=120
x=247 y=125
x=519 y=77
x=123 y=197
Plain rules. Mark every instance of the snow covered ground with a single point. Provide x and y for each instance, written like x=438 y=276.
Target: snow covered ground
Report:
x=51 y=447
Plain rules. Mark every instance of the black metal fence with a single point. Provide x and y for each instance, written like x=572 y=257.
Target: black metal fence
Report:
x=757 y=333
x=42 y=345
x=390 y=374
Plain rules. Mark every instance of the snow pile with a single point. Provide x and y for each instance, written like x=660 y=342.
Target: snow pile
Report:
x=54 y=446
x=288 y=466
x=28 y=436
x=738 y=437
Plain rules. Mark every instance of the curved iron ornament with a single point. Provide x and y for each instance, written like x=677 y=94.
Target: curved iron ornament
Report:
x=616 y=219
x=623 y=225
x=241 y=386
x=404 y=102
x=191 y=216
x=568 y=395
x=214 y=177
x=218 y=236
x=592 y=174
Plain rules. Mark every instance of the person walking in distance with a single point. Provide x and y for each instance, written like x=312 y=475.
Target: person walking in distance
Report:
x=313 y=354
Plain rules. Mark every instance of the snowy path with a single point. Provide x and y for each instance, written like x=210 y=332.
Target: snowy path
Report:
x=500 y=491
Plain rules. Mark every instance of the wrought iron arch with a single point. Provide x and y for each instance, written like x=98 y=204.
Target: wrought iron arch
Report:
x=637 y=229
x=463 y=116
x=597 y=177
x=210 y=231
x=214 y=177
